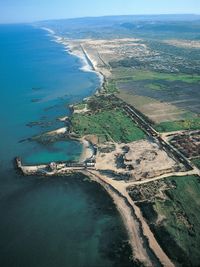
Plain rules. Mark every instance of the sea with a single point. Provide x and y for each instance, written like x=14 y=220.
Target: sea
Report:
x=58 y=221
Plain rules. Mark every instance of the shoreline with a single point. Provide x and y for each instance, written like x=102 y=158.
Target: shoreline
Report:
x=135 y=226
x=145 y=247
x=87 y=151
x=87 y=64
x=139 y=249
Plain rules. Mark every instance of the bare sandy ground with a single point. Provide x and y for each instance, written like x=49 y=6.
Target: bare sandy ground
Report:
x=87 y=151
x=146 y=159
x=81 y=111
x=63 y=119
x=101 y=52
x=58 y=131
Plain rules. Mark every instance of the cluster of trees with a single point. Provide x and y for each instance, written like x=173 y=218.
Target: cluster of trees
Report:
x=127 y=63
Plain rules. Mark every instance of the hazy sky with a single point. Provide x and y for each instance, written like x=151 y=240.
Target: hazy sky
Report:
x=32 y=10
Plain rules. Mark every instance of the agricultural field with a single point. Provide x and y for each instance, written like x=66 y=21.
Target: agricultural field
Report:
x=171 y=101
x=171 y=208
x=184 y=124
x=180 y=94
x=162 y=83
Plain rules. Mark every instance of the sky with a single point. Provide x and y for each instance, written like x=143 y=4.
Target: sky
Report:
x=12 y=11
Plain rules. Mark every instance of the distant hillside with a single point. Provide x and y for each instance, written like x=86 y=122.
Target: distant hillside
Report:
x=179 y=26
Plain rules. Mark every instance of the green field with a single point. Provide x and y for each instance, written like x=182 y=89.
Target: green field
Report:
x=139 y=75
x=178 y=231
x=170 y=126
x=155 y=86
x=112 y=124
x=80 y=106
x=111 y=87
x=197 y=162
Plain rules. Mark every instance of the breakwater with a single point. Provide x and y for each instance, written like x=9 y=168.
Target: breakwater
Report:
x=54 y=168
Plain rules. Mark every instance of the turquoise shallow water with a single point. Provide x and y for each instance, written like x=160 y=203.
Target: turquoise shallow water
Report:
x=59 y=151
x=38 y=81
x=65 y=222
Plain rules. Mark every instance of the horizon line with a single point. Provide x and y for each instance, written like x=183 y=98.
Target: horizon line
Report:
x=101 y=16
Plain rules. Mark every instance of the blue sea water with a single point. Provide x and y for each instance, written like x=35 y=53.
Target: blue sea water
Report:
x=38 y=82
x=44 y=222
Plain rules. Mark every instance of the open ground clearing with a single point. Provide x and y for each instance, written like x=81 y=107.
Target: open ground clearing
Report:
x=134 y=161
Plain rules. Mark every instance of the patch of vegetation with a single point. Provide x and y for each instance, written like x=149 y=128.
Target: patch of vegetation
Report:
x=80 y=106
x=175 y=52
x=127 y=63
x=96 y=104
x=109 y=124
x=196 y=162
x=107 y=149
x=155 y=86
x=187 y=124
x=178 y=231
x=140 y=75
x=111 y=86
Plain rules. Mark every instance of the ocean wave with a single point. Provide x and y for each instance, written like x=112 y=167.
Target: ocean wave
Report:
x=86 y=67
x=48 y=30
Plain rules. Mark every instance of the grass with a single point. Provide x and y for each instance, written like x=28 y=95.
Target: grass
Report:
x=111 y=87
x=156 y=81
x=187 y=124
x=174 y=218
x=140 y=75
x=80 y=106
x=196 y=162
x=155 y=86
x=111 y=124
x=181 y=210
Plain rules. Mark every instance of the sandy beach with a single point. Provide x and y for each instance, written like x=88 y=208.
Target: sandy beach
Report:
x=78 y=52
x=87 y=151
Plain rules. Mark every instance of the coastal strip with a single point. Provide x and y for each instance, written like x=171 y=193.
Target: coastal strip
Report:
x=145 y=247
x=139 y=247
x=87 y=63
x=140 y=250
